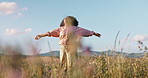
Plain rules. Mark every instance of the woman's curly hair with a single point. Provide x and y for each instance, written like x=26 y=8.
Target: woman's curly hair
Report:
x=73 y=19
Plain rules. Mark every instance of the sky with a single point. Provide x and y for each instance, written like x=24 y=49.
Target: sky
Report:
x=22 y=20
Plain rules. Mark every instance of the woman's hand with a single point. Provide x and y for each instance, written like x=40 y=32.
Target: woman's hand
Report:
x=97 y=34
x=38 y=37
x=42 y=35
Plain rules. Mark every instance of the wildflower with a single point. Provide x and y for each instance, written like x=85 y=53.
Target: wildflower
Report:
x=139 y=47
x=140 y=42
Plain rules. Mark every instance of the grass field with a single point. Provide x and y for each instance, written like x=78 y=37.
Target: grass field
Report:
x=103 y=66
x=17 y=65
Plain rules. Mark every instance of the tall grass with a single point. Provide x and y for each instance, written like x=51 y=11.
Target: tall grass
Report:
x=85 y=67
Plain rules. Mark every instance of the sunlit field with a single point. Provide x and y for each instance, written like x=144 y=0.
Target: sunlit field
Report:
x=13 y=64
x=16 y=66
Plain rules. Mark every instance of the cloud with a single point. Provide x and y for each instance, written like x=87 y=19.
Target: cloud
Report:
x=141 y=38
x=28 y=30
x=11 y=31
x=7 y=8
x=16 y=32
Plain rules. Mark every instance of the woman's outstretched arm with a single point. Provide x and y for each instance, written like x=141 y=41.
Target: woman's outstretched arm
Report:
x=86 y=33
x=96 y=34
x=53 y=33
x=41 y=35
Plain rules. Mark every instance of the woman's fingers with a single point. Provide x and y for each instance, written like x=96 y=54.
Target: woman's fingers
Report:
x=37 y=37
x=97 y=34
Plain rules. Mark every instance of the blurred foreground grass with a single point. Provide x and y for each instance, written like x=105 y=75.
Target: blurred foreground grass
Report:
x=16 y=66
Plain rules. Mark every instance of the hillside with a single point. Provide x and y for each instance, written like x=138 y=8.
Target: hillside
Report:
x=109 y=53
